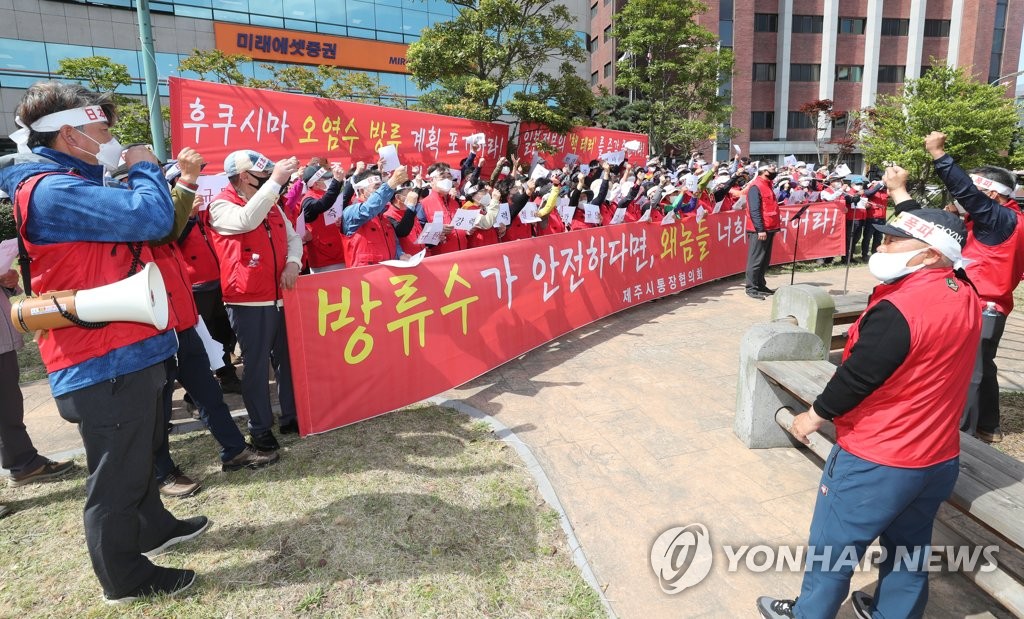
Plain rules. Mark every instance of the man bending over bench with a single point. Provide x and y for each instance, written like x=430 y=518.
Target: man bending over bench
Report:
x=896 y=402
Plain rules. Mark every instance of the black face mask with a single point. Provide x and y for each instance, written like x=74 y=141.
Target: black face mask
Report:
x=772 y=175
x=260 y=181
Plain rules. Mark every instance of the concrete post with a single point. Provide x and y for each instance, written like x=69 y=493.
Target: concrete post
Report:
x=813 y=308
x=757 y=399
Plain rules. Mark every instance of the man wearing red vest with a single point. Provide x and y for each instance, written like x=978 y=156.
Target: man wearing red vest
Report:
x=260 y=255
x=108 y=377
x=896 y=401
x=368 y=235
x=441 y=199
x=763 y=223
x=325 y=250
x=995 y=247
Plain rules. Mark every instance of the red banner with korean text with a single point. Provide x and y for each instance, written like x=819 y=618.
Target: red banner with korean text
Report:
x=583 y=143
x=369 y=340
x=217 y=119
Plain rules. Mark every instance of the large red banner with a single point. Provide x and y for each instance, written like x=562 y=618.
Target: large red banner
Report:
x=369 y=340
x=584 y=143
x=216 y=119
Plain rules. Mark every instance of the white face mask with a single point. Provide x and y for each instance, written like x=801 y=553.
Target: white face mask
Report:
x=888 y=267
x=506 y=170
x=109 y=154
x=444 y=185
x=485 y=200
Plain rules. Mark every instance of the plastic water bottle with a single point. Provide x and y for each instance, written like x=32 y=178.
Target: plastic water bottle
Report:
x=988 y=320
x=254 y=261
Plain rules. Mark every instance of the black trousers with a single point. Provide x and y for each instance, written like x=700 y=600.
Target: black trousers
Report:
x=982 y=409
x=17 y=453
x=261 y=334
x=210 y=304
x=121 y=423
x=759 y=255
x=854 y=229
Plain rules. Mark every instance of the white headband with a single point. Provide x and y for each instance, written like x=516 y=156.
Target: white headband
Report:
x=322 y=172
x=939 y=237
x=52 y=122
x=366 y=182
x=987 y=184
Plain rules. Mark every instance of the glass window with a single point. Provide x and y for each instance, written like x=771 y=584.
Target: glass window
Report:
x=766 y=22
x=300 y=25
x=764 y=72
x=361 y=15
x=55 y=52
x=852 y=25
x=607 y=33
x=360 y=33
x=271 y=8
x=238 y=18
x=263 y=20
x=936 y=27
x=593 y=10
x=891 y=74
x=202 y=3
x=762 y=120
x=158 y=7
x=332 y=29
x=849 y=73
x=593 y=78
x=725 y=33
x=607 y=69
x=389 y=18
x=166 y=65
x=808 y=24
x=895 y=27
x=413 y=22
x=725 y=8
x=395 y=82
x=330 y=12
x=804 y=72
x=436 y=18
x=384 y=35
x=192 y=11
x=799 y=120
x=22 y=63
x=241 y=6
x=841 y=121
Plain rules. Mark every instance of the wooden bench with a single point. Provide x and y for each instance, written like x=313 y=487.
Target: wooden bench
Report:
x=849 y=307
x=990 y=488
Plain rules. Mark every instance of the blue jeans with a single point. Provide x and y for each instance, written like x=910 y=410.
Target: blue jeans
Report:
x=859 y=501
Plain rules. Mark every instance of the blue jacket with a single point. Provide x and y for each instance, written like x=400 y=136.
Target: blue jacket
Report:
x=68 y=208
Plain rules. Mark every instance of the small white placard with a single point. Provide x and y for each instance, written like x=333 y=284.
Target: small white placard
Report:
x=669 y=219
x=209 y=187
x=539 y=171
x=413 y=260
x=389 y=158
x=566 y=212
x=646 y=216
x=504 y=215
x=529 y=214
x=584 y=169
x=614 y=158
x=790 y=160
x=619 y=216
x=464 y=218
x=214 y=349
x=332 y=215
x=432 y=231
x=592 y=213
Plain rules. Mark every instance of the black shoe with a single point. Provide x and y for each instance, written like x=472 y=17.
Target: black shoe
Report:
x=292 y=427
x=165 y=581
x=863 y=604
x=230 y=385
x=771 y=608
x=264 y=441
x=755 y=294
x=766 y=291
x=187 y=529
x=250 y=458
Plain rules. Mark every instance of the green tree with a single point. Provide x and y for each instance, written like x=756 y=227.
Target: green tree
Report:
x=979 y=120
x=675 y=67
x=331 y=82
x=216 y=66
x=466 y=64
x=613 y=111
x=101 y=74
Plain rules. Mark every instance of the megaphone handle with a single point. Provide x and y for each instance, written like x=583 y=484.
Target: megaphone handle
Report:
x=75 y=319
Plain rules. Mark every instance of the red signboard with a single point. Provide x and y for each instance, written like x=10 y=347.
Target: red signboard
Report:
x=369 y=340
x=585 y=143
x=216 y=119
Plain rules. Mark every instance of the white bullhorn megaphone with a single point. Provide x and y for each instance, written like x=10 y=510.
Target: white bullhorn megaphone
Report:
x=139 y=298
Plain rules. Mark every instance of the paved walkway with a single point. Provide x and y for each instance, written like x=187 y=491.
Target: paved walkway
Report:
x=631 y=418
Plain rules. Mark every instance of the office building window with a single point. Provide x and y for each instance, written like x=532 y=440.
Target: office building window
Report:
x=762 y=120
x=594 y=44
x=852 y=25
x=766 y=22
x=998 y=34
x=936 y=27
x=725 y=9
x=593 y=78
x=840 y=122
x=804 y=72
x=764 y=71
x=811 y=24
x=891 y=73
x=607 y=69
x=849 y=73
x=925 y=68
x=799 y=120
x=895 y=27
x=607 y=33
x=593 y=10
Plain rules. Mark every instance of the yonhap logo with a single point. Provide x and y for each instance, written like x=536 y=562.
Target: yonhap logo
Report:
x=681 y=557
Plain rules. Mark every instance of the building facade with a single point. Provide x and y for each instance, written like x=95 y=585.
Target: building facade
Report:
x=361 y=35
x=792 y=52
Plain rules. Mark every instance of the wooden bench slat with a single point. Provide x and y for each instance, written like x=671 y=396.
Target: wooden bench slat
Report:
x=803 y=379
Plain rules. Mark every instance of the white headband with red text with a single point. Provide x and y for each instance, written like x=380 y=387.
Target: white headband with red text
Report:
x=933 y=234
x=987 y=184
x=52 y=122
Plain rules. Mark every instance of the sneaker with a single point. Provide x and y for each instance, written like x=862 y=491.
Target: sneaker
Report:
x=863 y=604
x=766 y=290
x=756 y=294
x=189 y=528
x=4 y=510
x=50 y=470
x=178 y=485
x=165 y=581
x=264 y=441
x=775 y=609
x=250 y=458
x=292 y=427
x=995 y=436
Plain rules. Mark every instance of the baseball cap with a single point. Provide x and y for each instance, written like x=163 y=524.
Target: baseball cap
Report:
x=312 y=171
x=246 y=161
x=939 y=228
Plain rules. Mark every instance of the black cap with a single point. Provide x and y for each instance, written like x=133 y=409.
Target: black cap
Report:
x=310 y=170
x=948 y=222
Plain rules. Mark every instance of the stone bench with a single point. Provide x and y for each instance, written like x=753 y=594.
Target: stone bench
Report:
x=814 y=309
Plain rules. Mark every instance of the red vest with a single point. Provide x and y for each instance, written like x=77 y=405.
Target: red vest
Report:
x=326 y=247
x=996 y=269
x=200 y=261
x=878 y=204
x=855 y=214
x=180 y=302
x=373 y=242
x=913 y=419
x=408 y=242
x=79 y=265
x=769 y=206
x=517 y=230
x=243 y=277
x=447 y=206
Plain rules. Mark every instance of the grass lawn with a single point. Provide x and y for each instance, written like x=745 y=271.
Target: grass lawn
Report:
x=417 y=513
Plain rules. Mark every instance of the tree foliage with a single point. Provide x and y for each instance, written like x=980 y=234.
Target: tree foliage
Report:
x=214 y=65
x=977 y=118
x=676 y=68
x=613 y=111
x=468 y=63
x=101 y=74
